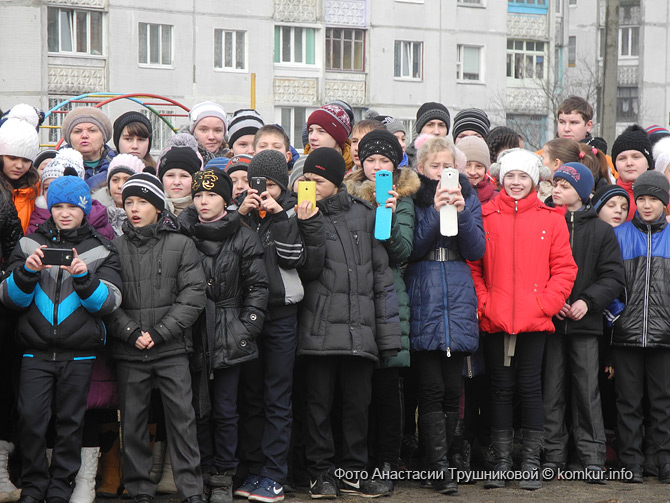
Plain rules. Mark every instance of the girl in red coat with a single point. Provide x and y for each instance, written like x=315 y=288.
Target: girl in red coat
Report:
x=523 y=280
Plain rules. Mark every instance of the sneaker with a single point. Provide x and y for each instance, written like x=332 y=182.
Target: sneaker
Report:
x=322 y=488
x=248 y=486
x=268 y=491
x=369 y=488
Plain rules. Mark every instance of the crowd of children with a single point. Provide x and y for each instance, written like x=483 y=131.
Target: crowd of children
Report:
x=186 y=325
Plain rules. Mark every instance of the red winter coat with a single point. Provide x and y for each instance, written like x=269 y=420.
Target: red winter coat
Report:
x=527 y=271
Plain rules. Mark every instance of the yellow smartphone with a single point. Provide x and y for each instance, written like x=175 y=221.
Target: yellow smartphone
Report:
x=307 y=192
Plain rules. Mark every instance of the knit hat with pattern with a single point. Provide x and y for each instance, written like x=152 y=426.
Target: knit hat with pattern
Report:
x=471 y=119
x=238 y=163
x=380 y=141
x=518 y=159
x=65 y=158
x=605 y=193
x=69 y=190
x=213 y=180
x=392 y=124
x=334 y=120
x=245 y=121
x=270 y=164
x=146 y=186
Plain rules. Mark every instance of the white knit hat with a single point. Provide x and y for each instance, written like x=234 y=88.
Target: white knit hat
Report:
x=518 y=159
x=18 y=134
x=67 y=157
x=126 y=163
x=207 y=109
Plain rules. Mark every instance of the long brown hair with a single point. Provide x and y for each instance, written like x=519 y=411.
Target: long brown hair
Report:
x=563 y=149
x=29 y=179
x=596 y=161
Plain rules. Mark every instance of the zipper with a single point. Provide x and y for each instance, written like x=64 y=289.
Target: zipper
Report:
x=468 y=361
x=647 y=280
x=59 y=279
x=160 y=266
x=444 y=310
x=516 y=209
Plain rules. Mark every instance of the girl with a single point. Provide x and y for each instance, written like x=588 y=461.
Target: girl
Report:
x=209 y=125
x=502 y=138
x=133 y=135
x=225 y=335
x=380 y=150
x=176 y=168
x=596 y=161
x=555 y=153
x=443 y=328
x=478 y=162
x=19 y=145
x=523 y=281
x=631 y=154
x=87 y=130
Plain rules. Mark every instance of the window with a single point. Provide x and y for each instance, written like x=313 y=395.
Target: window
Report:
x=230 y=50
x=525 y=59
x=572 y=51
x=161 y=132
x=408 y=60
x=629 y=41
x=74 y=31
x=294 y=45
x=532 y=3
x=155 y=44
x=293 y=119
x=345 y=49
x=468 y=64
x=471 y=2
x=626 y=104
x=572 y=2
x=532 y=128
x=527 y=6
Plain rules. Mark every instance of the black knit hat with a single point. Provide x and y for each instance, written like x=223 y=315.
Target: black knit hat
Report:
x=471 y=119
x=605 y=193
x=328 y=163
x=213 y=180
x=124 y=119
x=244 y=121
x=652 y=183
x=179 y=158
x=432 y=111
x=272 y=165
x=597 y=142
x=146 y=186
x=633 y=138
x=380 y=141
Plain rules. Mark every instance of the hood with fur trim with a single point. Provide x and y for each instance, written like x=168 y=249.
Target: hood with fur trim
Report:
x=408 y=185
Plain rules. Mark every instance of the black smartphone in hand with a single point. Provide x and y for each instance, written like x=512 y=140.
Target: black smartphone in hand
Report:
x=57 y=256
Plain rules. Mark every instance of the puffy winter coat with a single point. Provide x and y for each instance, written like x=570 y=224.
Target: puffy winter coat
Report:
x=351 y=308
x=399 y=246
x=237 y=291
x=164 y=291
x=442 y=295
x=645 y=322
x=97 y=217
x=62 y=313
x=10 y=228
x=527 y=271
x=600 y=276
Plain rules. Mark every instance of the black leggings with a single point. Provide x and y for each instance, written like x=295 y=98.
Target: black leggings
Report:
x=440 y=380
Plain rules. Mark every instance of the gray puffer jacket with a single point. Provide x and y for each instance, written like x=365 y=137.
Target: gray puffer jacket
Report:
x=351 y=308
x=164 y=291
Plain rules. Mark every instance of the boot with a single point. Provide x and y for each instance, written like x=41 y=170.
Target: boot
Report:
x=8 y=491
x=502 y=449
x=222 y=487
x=166 y=484
x=159 y=459
x=84 y=489
x=110 y=463
x=530 y=460
x=434 y=428
x=459 y=448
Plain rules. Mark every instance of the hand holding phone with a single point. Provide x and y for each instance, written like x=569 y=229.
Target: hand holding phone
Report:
x=307 y=192
x=258 y=183
x=57 y=256
x=449 y=212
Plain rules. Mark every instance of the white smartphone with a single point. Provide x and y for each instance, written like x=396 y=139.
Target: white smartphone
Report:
x=448 y=212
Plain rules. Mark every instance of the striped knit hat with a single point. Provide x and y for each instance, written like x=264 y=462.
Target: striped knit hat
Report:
x=146 y=186
x=471 y=119
x=245 y=121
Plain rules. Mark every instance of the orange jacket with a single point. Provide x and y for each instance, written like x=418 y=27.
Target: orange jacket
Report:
x=24 y=201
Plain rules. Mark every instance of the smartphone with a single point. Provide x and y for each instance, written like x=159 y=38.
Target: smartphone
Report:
x=307 y=192
x=259 y=183
x=57 y=256
x=383 y=216
x=448 y=212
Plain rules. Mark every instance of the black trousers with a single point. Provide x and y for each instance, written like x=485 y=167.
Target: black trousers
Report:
x=63 y=386
x=632 y=367
x=172 y=377
x=353 y=375
x=440 y=381
x=386 y=415
x=523 y=376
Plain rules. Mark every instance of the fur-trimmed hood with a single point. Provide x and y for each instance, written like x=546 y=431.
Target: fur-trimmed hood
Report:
x=408 y=184
x=426 y=194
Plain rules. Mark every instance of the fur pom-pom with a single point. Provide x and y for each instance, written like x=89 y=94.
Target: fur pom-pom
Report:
x=24 y=112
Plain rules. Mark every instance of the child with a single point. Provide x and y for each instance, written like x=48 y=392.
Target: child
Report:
x=208 y=126
x=267 y=383
x=176 y=168
x=502 y=138
x=631 y=153
x=236 y=168
x=571 y=364
x=133 y=135
x=470 y=122
x=431 y=118
x=357 y=133
x=517 y=302
x=596 y=161
x=397 y=128
x=443 y=321
x=575 y=119
x=60 y=332
x=19 y=145
x=611 y=203
x=273 y=137
x=242 y=130
x=478 y=162
x=349 y=321
x=641 y=339
x=164 y=292
x=226 y=333
x=554 y=154
x=330 y=126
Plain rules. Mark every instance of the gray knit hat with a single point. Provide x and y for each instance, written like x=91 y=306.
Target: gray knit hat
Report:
x=392 y=124
x=272 y=165
x=432 y=111
x=652 y=183
x=471 y=119
x=90 y=115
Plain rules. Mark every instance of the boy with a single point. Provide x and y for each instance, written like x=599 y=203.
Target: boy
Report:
x=242 y=130
x=572 y=363
x=151 y=337
x=575 y=119
x=431 y=118
x=631 y=153
x=357 y=133
x=237 y=170
x=60 y=332
x=348 y=322
x=397 y=128
x=273 y=137
x=470 y=122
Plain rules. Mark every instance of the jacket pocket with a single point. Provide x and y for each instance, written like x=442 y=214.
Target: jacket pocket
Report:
x=318 y=323
x=240 y=336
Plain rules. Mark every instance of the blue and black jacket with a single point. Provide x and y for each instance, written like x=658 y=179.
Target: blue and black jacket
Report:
x=61 y=317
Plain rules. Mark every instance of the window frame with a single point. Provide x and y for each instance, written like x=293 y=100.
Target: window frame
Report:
x=149 y=64
x=75 y=12
x=330 y=42
x=245 y=61
x=410 y=64
x=471 y=3
x=525 y=52
x=460 y=53
x=291 y=129
x=572 y=51
x=634 y=102
x=631 y=29
x=279 y=43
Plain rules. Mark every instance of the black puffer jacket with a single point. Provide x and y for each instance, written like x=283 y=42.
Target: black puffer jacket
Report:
x=163 y=291
x=351 y=308
x=237 y=291
x=10 y=228
x=600 y=278
x=645 y=248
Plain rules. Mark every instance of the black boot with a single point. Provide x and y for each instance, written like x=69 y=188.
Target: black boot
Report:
x=434 y=428
x=459 y=448
x=530 y=460
x=501 y=441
